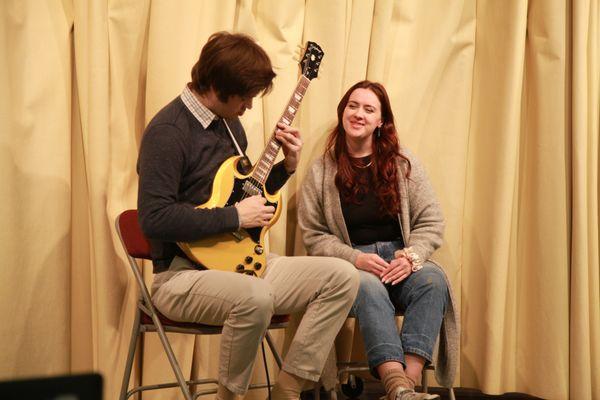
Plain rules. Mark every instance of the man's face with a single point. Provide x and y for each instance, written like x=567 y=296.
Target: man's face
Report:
x=235 y=106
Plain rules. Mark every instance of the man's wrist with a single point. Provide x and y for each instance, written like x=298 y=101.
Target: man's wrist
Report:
x=239 y=217
x=289 y=170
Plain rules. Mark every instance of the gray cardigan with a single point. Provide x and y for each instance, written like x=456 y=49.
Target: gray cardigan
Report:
x=324 y=233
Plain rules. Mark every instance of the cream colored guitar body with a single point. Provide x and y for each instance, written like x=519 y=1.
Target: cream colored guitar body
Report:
x=242 y=251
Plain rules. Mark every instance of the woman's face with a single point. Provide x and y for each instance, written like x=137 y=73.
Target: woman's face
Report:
x=361 y=115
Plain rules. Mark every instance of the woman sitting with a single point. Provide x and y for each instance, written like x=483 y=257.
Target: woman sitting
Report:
x=368 y=201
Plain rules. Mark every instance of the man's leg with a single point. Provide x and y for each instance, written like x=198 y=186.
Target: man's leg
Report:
x=242 y=304
x=324 y=288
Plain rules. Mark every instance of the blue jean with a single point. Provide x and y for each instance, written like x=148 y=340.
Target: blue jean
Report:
x=421 y=298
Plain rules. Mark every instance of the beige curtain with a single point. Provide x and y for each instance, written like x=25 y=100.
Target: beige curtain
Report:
x=499 y=98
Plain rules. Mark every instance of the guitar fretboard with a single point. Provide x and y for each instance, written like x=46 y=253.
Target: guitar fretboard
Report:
x=267 y=159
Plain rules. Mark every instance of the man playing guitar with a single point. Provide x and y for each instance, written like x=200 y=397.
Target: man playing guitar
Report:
x=182 y=149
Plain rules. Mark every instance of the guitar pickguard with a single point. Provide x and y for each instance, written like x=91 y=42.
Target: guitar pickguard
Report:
x=238 y=194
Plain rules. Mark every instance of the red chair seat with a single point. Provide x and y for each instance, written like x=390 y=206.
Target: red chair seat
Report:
x=147 y=320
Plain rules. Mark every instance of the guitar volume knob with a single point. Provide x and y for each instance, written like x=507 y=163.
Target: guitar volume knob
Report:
x=257 y=266
x=239 y=268
x=248 y=260
x=258 y=249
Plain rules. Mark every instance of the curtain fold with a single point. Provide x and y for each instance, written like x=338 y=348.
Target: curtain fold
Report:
x=584 y=307
x=500 y=100
x=35 y=171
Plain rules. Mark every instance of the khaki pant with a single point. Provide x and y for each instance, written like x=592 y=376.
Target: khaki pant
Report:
x=323 y=287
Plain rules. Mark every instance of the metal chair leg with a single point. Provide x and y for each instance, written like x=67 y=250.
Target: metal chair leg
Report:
x=171 y=356
x=424 y=383
x=451 y=393
x=135 y=332
x=333 y=394
x=317 y=390
x=273 y=349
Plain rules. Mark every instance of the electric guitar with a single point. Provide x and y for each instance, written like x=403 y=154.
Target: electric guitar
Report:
x=243 y=251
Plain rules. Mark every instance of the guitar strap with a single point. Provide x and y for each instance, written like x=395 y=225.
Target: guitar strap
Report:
x=237 y=146
x=245 y=164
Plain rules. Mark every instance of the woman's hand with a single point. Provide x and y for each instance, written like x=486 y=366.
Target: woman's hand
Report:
x=400 y=268
x=372 y=263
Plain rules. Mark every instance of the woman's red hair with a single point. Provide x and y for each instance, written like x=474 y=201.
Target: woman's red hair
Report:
x=384 y=159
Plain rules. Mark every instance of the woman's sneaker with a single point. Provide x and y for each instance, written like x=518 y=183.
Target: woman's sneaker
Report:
x=409 y=394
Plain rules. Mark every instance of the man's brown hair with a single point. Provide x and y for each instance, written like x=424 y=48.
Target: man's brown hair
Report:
x=232 y=64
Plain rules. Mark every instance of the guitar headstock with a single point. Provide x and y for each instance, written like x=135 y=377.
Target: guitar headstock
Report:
x=311 y=60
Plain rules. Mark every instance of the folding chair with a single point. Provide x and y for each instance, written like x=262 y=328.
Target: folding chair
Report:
x=354 y=386
x=149 y=319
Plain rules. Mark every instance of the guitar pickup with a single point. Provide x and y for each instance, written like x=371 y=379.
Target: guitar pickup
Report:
x=238 y=236
x=250 y=189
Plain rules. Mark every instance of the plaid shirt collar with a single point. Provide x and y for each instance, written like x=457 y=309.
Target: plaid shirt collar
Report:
x=200 y=111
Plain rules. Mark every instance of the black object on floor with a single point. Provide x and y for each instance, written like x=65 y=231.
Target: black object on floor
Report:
x=69 y=387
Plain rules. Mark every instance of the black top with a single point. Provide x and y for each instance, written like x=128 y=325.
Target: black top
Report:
x=366 y=222
x=177 y=164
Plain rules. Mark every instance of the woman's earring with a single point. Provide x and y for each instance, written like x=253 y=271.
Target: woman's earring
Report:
x=378 y=134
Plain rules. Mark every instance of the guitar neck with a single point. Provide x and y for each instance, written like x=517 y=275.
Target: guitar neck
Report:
x=265 y=163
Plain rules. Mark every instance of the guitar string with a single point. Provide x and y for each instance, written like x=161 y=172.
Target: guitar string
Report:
x=300 y=91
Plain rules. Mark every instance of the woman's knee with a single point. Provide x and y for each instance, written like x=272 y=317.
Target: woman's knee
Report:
x=432 y=279
x=371 y=285
x=372 y=295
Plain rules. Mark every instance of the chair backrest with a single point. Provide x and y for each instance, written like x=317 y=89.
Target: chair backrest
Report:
x=136 y=246
x=133 y=239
